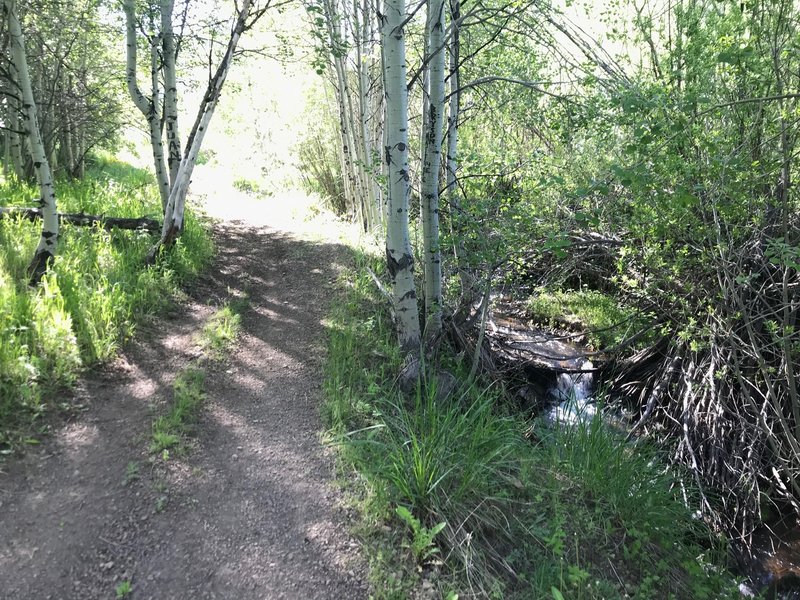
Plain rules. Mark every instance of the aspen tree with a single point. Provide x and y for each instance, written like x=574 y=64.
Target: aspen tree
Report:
x=400 y=259
x=434 y=107
x=46 y=248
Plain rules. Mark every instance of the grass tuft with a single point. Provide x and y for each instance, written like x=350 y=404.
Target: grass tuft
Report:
x=222 y=328
x=188 y=397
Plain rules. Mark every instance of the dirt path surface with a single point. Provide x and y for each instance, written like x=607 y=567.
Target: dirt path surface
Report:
x=249 y=511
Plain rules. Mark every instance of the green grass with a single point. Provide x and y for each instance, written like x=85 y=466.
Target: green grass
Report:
x=607 y=519
x=123 y=589
x=90 y=300
x=606 y=322
x=188 y=390
x=221 y=329
x=464 y=495
x=188 y=395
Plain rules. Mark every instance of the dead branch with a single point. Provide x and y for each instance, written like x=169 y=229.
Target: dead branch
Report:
x=84 y=220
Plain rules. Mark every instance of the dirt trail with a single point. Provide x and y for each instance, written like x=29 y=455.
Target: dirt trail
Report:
x=249 y=511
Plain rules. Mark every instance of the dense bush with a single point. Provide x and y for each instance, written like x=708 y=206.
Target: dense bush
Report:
x=91 y=298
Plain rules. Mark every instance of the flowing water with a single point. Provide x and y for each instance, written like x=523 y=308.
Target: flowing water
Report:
x=569 y=395
x=774 y=565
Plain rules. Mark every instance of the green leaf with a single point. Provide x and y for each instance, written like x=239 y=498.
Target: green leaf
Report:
x=557 y=595
x=436 y=529
x=406 y=516
x=727 y=57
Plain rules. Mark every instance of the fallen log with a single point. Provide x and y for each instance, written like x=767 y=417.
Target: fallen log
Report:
x=84 y=220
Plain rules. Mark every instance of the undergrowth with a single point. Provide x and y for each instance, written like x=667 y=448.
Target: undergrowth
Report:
x=94 y=293
x=605 y=321
x=463 y=496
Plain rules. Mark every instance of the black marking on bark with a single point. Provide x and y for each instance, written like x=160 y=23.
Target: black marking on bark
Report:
x=395 y=266
x=48 y=234
x=39 y=265
x=401 y=146
x=409 y=295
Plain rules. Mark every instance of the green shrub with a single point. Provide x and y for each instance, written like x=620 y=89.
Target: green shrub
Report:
x=572 y=512
x=85 y=306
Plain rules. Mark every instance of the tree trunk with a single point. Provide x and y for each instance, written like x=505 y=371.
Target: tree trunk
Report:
x=431 y=163
x=47 y=242
x=84 y=220
x=363 y=38
x=398 y=245
x=451 y=167
x=352 y=191
x=176 y=204
x=15 y=139
x=149 y=107
x=170 y=91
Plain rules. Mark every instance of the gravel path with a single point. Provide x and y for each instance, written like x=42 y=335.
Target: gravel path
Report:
x=249 y=511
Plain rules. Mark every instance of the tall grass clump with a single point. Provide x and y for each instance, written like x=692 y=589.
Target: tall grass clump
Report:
x=609 y=519
x=460 y=493
x=446 y=460
x=85 y=305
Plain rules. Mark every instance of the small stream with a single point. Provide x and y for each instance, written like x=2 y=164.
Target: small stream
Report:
x=565 y=396
x=568 y=390
x=774 y=566
x=572 y=394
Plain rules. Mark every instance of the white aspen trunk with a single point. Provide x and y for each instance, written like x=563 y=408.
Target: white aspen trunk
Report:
x=399 y=257
x=17 y=159
x=373 y=73
x=451 y=168
x=47 y=242
x=363 y=41
x=359 y=130
x=174 y=213
x=170 y=91
x=355 y=130
x=384 y=131
x=149 y=107
x=352 y=192
x=452 y=121
x=431 y=163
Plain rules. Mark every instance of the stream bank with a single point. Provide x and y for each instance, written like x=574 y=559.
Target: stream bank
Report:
x=555 y=377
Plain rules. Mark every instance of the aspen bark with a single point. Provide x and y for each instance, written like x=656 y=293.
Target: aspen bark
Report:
x=451 y=166
x=174 y=212
x=362 y=36
x=170 y=91
x=352 y=187
x=15 y=139
x=46 y=248
x=149 y=107
x=399 y=257
x=431 y=163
